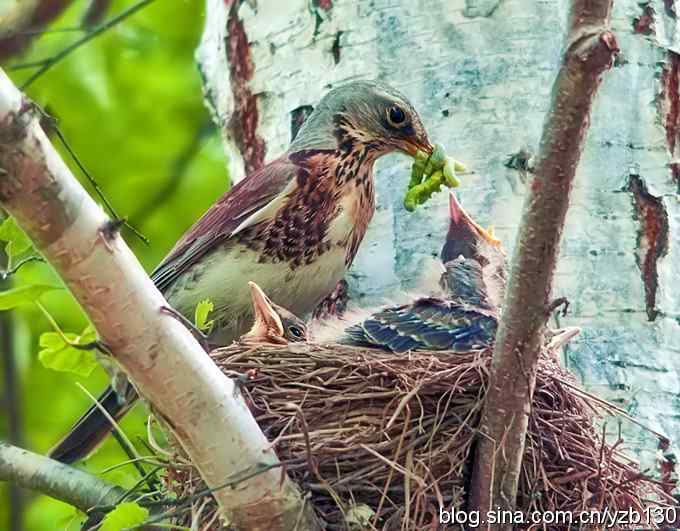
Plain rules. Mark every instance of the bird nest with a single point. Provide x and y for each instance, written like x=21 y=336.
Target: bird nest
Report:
x=385 y=441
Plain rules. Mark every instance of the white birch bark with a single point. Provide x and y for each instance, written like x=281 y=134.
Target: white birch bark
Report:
x=55 y=479
x=480 y=72
x=201 y=406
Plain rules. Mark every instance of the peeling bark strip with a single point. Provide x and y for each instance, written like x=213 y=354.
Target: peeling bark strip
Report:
x=652 y=240
x=244 y=121
x=669 y=100
x=644 y=24
x=590 y=51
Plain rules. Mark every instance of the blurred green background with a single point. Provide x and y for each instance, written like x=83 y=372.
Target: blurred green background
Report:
x=130 y=104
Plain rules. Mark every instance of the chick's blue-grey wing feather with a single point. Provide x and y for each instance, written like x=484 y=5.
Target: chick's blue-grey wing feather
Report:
x=428 y=324
x=217 y=225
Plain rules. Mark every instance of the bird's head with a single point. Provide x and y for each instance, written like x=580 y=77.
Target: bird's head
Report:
x=366 y=113
x=468 y=239
x=273 y=324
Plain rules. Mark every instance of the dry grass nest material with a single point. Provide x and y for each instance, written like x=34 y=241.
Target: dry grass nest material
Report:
x=361 y=429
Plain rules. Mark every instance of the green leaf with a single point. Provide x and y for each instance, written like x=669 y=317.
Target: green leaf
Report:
x=17 y=241
x=14 y=297
x=203 y=309
x=124 y=516
x=59 y=355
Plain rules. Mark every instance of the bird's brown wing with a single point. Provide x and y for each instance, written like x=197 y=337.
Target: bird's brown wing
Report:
x=248 y=202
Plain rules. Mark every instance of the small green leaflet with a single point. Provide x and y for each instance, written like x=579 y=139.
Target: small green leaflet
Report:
x=17 y=241
x=124 y=516
x=203 y=309
x=14 y=297
x=58 y=355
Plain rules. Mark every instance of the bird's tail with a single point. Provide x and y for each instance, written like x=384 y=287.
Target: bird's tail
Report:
x=94 y=426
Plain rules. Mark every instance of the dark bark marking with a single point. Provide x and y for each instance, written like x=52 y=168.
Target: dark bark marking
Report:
x=321 y=11
x=297 y=118
x=244 y=120
x=326 y=5
x=480 y=8
x=335 y=49
x=675 y=174
x=670 y=100
x=652 y=239
x=670 y=8
x=644 y=23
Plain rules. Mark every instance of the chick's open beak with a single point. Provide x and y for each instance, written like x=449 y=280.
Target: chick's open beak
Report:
x=458 y=215
x=267 y=321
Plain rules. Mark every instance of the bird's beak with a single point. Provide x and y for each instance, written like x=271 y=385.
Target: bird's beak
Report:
x=458 y=216
x=412 y=146
x=267 y=322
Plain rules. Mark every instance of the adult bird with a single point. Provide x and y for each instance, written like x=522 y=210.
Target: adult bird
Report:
x=293 y=226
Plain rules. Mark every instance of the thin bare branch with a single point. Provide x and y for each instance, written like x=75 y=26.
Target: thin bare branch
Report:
x=589 y=52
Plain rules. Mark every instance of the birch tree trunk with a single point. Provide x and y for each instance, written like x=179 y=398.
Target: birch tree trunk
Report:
x=480 y=72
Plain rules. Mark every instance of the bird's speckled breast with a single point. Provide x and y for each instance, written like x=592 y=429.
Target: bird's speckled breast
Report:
x=331 y=206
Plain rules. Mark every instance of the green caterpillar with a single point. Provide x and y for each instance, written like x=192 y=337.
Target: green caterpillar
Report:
x=428 y=174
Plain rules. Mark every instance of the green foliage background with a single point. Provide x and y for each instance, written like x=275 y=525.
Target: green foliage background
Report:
x=130 y=104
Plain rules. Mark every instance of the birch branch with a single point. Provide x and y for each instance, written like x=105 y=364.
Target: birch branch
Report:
x=589 y=52
x=200 y=405
x=60 y=481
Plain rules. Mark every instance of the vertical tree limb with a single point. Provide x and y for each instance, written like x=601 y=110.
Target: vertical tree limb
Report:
x=589 y=52
x=200 y=405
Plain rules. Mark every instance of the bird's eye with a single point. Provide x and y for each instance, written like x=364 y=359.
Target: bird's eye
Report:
x=296 y=332
x=396 y=116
